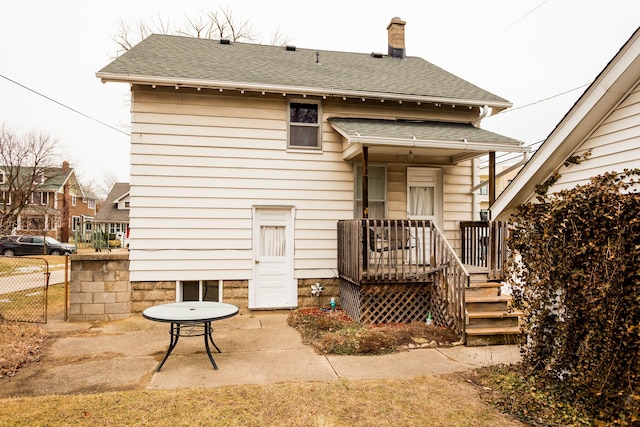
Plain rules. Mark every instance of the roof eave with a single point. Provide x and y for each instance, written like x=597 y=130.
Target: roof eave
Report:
x=496 y=106
x=437 y=143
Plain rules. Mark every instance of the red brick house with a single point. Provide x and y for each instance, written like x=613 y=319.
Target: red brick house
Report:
x=59 y=206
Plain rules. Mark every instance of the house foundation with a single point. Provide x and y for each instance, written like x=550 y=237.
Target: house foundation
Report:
x=100 y=290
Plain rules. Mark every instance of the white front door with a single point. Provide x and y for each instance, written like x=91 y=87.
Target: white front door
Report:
x=273 y=284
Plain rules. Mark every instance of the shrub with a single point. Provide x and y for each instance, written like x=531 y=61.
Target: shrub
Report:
x=575 y=271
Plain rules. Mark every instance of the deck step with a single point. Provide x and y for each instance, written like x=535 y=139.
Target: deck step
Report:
x=489 y=319
x=493 y=314
x=511 y=330
x=485 y=285
x=487 y=298
x=483 y=288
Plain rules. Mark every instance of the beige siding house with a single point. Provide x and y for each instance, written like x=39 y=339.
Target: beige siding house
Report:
x=244 y=157
x=605 y=122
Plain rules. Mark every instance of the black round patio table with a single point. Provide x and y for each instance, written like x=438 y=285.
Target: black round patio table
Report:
x=190 y=319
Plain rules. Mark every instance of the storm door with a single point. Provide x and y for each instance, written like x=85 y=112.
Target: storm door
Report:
x=273 y=285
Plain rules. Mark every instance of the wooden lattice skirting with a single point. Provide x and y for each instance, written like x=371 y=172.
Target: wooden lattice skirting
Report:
x=391 y=302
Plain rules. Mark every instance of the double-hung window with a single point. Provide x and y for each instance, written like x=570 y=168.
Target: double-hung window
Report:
x=40 y=197
x=304 y=125
x=377 y=177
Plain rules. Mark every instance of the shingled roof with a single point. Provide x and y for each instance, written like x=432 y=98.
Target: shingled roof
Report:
x=205 y=63
x=109 y=211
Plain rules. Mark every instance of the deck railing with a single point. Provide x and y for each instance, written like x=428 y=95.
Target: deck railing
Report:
x=380 y=250
x=484 y=245
x=451 y=283
x=475 y=243
x=375 y=251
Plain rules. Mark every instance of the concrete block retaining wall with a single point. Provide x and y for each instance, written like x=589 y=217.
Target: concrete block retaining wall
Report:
x=99 y=287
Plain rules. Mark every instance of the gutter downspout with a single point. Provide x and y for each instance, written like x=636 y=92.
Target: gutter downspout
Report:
x=484 y=112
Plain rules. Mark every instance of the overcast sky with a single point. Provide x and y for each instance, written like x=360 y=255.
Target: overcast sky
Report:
x=525 y=51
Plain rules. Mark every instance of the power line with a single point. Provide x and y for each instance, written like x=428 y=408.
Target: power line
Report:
x=65 y=106
x=491 y=37
x=545 y=99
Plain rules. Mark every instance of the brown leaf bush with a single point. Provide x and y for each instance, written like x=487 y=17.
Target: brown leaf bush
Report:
x=574 y=270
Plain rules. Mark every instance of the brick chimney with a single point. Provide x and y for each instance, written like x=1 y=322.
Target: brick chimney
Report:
x=396 y=38
x=65 y=166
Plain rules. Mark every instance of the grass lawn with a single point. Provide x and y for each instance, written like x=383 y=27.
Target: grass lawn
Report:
x=425 y=401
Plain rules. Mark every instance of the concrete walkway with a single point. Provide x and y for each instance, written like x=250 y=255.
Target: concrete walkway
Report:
x=257 y=348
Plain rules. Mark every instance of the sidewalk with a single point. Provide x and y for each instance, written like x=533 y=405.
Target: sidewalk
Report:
x=257 y=348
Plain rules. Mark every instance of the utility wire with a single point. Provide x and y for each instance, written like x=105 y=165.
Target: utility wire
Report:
x=491 y=37
x=545 y=99
x=65 y=106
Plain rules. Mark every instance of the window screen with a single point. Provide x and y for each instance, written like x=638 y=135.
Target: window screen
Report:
x=304 y=125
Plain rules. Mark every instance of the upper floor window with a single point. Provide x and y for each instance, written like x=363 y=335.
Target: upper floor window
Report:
x=73 y=200
x=41 y=197
x=304 y=125
x=38 y=179
x=91 y=203
x=1 y=178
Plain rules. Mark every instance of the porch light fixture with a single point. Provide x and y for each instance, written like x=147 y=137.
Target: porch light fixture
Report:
x=411 y=156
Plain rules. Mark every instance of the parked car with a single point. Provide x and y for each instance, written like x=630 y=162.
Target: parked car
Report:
x=33 y=245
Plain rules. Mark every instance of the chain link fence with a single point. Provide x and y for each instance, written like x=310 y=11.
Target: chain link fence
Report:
x=24 y=282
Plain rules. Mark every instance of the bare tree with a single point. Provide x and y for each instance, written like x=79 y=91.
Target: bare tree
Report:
x=102 y=188
x=224 y=26
x=26 y=161
x=278 y=38
x=219 y=24
x=124 y=37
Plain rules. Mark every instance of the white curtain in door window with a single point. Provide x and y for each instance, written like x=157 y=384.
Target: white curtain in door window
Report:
x=421 y=201
x=273 y=240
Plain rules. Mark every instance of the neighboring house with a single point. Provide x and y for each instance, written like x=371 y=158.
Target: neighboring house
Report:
x=112 y=220
x=504 y=175
x=605 y=121
x=60 y=207
x=244 y=158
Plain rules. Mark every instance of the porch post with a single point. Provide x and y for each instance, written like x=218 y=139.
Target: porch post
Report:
x=492 y=198
x=365 y=207
x=492 y=177
x=365 y=182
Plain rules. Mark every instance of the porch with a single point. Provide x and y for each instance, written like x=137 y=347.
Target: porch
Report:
x=406 y=270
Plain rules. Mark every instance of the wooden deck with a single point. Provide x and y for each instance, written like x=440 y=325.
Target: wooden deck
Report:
x=399 y=271
x=404 y=270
